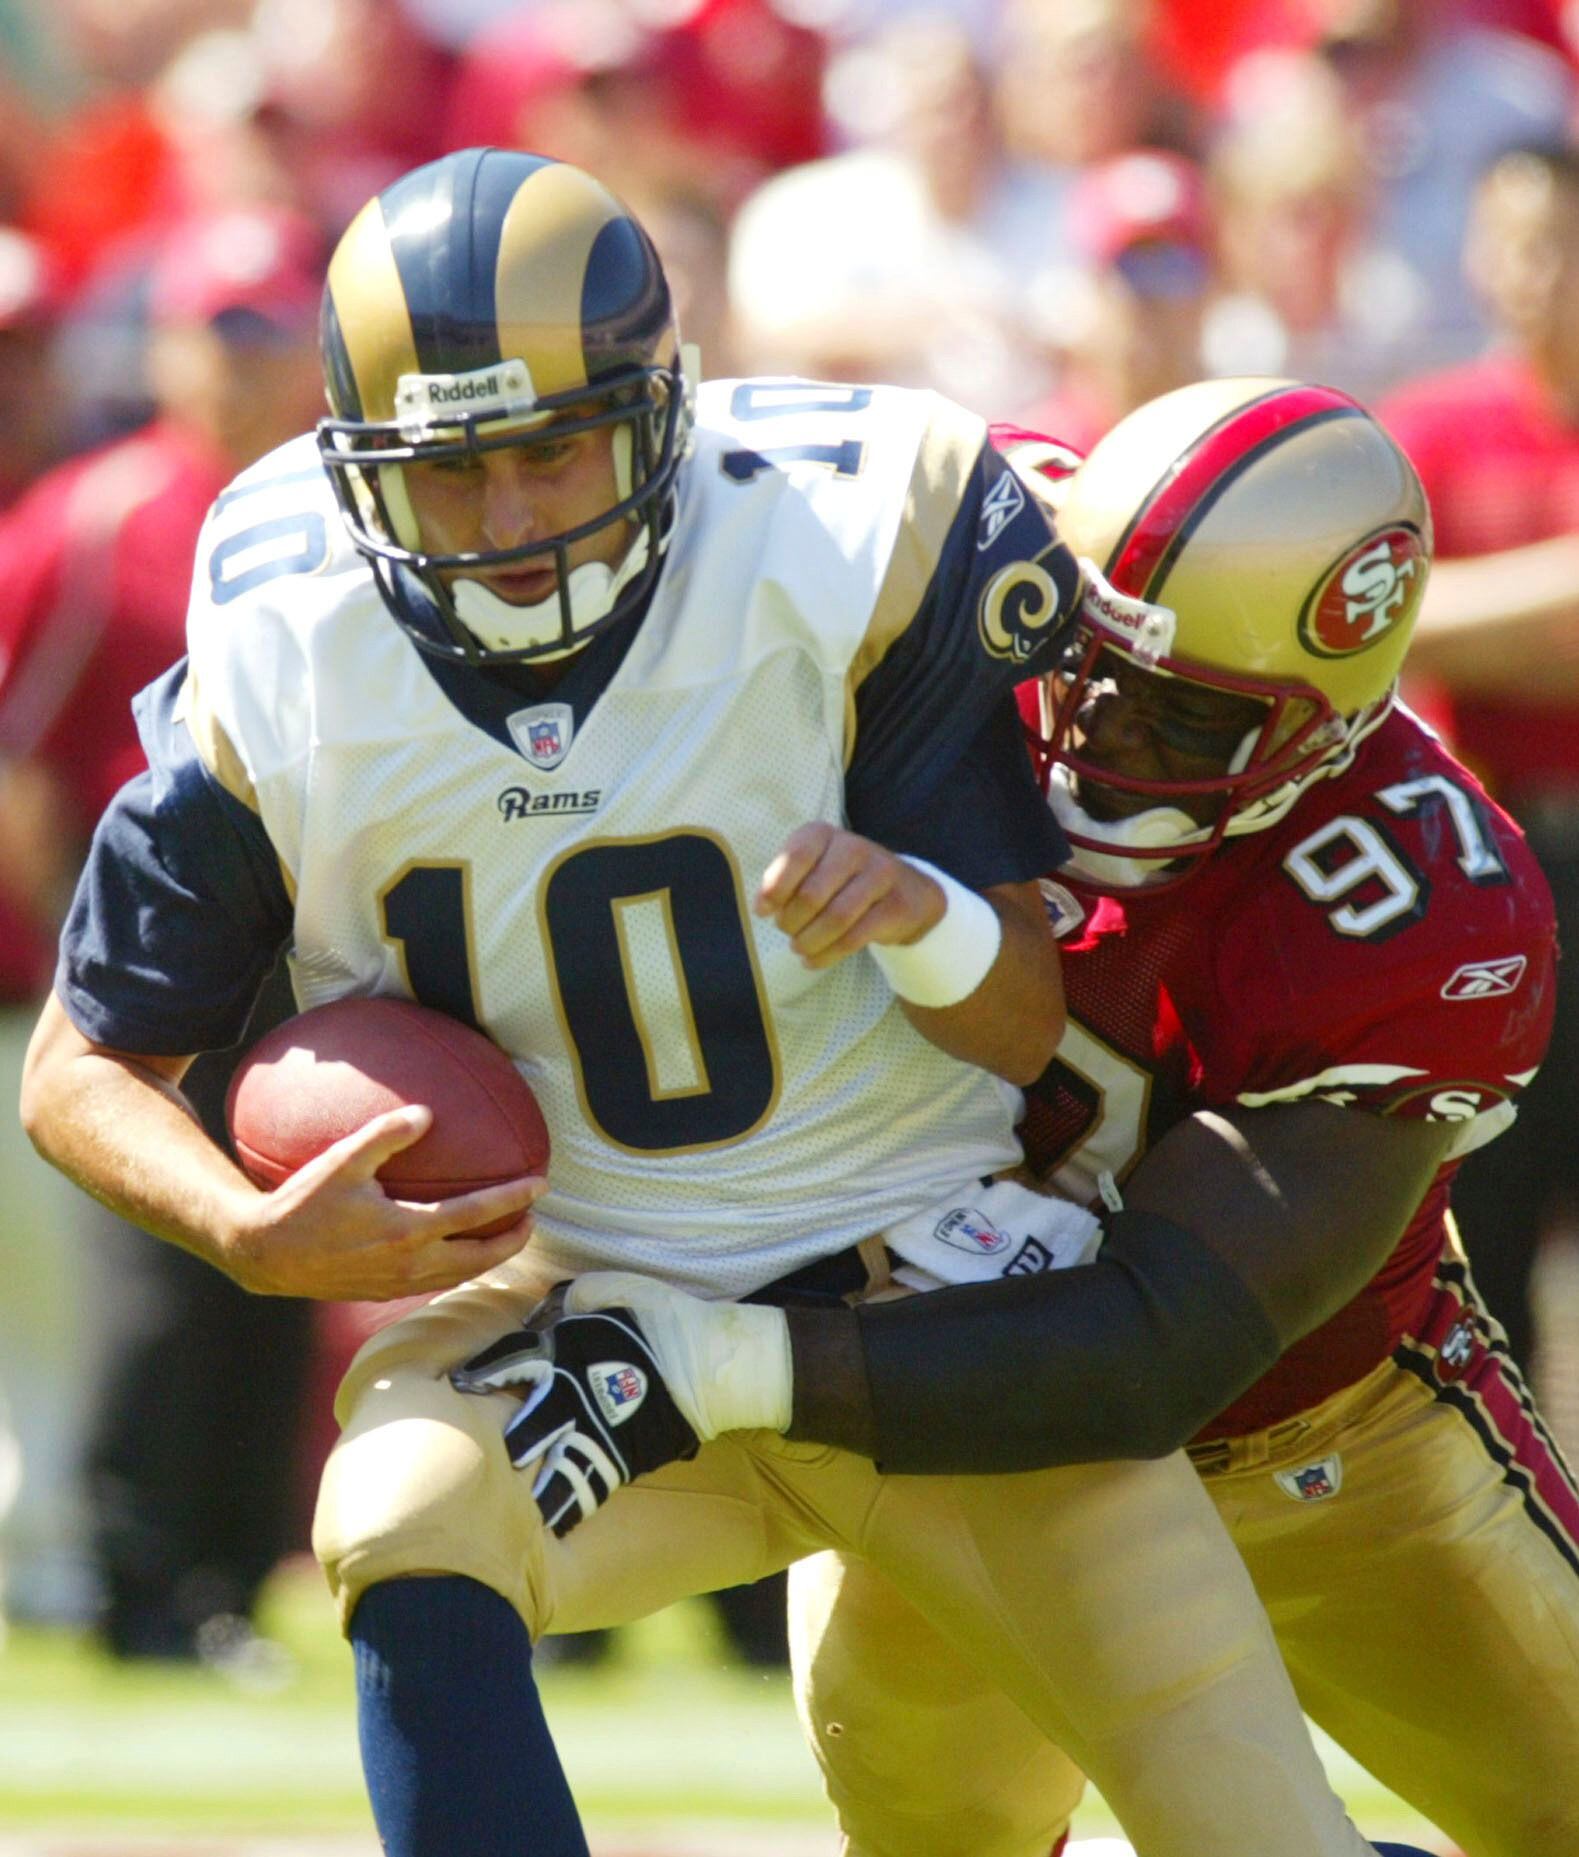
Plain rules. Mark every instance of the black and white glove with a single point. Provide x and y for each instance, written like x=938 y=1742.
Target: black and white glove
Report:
x=596 y=1410
x=622 y=1375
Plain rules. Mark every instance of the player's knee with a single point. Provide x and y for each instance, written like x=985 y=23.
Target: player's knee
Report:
x=919 y=1768
x=420 y=1482
x=1015 y=1803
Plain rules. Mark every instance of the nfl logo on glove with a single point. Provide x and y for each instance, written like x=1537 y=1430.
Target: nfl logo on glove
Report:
x=619 y=1388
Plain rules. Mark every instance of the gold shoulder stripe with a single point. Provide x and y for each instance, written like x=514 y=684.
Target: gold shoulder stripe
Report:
x=370 y=303
x=214 y=747
x=555 y=215
x=218 y=754
x=945 y=459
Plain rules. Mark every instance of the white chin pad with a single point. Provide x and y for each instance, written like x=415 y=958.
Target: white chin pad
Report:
x=1155 y=829
x=1242 y=754
x=594 y=587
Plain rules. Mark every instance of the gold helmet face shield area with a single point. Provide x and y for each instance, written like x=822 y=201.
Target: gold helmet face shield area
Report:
x=1255 y=554
x=491 y=301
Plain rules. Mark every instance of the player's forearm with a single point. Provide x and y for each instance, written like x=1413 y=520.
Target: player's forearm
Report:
x=1012 y=1022
x=1126 y=1357
x=126 y=1135
x=832 y=1397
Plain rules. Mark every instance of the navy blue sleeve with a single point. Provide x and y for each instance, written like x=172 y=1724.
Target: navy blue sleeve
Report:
x=997 y=611
x=181 y=909
x=987 y=821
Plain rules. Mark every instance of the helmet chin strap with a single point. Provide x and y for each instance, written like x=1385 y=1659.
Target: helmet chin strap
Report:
x=1157 y=827
x=594 y=587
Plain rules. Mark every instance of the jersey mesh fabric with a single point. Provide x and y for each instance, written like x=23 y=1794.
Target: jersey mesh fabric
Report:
x=871 y=1123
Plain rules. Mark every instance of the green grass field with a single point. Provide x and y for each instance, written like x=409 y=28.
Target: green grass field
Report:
x=672 y=1750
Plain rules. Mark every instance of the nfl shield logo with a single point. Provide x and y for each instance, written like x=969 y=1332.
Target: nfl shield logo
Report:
x=1064 y=911
x=1314 y=1482
x=619 y=1388
x=1457 y=1351
x=543 y=733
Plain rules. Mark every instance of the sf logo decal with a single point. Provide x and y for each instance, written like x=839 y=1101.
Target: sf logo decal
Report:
x=1365 y=594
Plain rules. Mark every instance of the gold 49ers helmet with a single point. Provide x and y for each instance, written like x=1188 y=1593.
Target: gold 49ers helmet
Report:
x=469 y=305
x=1261 y=538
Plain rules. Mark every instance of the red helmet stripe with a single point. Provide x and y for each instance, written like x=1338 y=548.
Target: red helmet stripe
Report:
x=1194 y=480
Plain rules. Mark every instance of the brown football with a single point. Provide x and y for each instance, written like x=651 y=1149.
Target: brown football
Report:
x=328 y=1072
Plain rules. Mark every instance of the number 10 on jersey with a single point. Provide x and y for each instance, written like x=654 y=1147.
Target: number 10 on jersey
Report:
x=654 y=980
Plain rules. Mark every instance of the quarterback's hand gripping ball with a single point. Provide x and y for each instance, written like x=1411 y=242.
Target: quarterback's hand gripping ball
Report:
x=326 y=1073
x=595 y=1413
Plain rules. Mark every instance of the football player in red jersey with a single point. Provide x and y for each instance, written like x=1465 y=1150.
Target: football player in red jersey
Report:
x=1308 y=968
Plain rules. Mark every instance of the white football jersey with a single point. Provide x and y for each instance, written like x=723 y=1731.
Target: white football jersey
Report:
x=719 y=1114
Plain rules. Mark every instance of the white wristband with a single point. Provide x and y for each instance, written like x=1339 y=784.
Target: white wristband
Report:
x=952 y=959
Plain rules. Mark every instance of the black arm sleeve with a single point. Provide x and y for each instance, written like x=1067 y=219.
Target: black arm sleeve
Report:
x=1125 y=1357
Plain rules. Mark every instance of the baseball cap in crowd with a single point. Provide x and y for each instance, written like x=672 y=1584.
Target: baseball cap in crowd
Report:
x=252 y=272
x=1144 y=214
x=29 y=294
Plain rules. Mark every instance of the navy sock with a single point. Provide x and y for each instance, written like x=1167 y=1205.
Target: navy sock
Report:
x=455 y=1748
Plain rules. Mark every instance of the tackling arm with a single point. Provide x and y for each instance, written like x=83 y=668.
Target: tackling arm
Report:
x=1243 y=1231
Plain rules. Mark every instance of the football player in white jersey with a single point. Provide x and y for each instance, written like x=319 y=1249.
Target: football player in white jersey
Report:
x=668 y=737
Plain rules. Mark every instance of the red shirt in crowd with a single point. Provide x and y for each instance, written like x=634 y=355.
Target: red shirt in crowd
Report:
x=96 y=562
x=1500 y=463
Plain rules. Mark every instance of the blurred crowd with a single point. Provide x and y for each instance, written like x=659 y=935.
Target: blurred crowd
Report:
x=1050 y=210
x=1008 y=199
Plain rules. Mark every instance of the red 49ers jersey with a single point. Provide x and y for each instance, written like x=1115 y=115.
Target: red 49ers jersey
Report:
x=1389 y=946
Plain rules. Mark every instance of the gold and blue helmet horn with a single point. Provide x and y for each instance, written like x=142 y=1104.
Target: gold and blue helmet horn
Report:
x=467 y=305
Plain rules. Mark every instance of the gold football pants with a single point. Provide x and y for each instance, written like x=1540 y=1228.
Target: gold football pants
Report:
x=1414 y=1542
x=1106 y=1601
